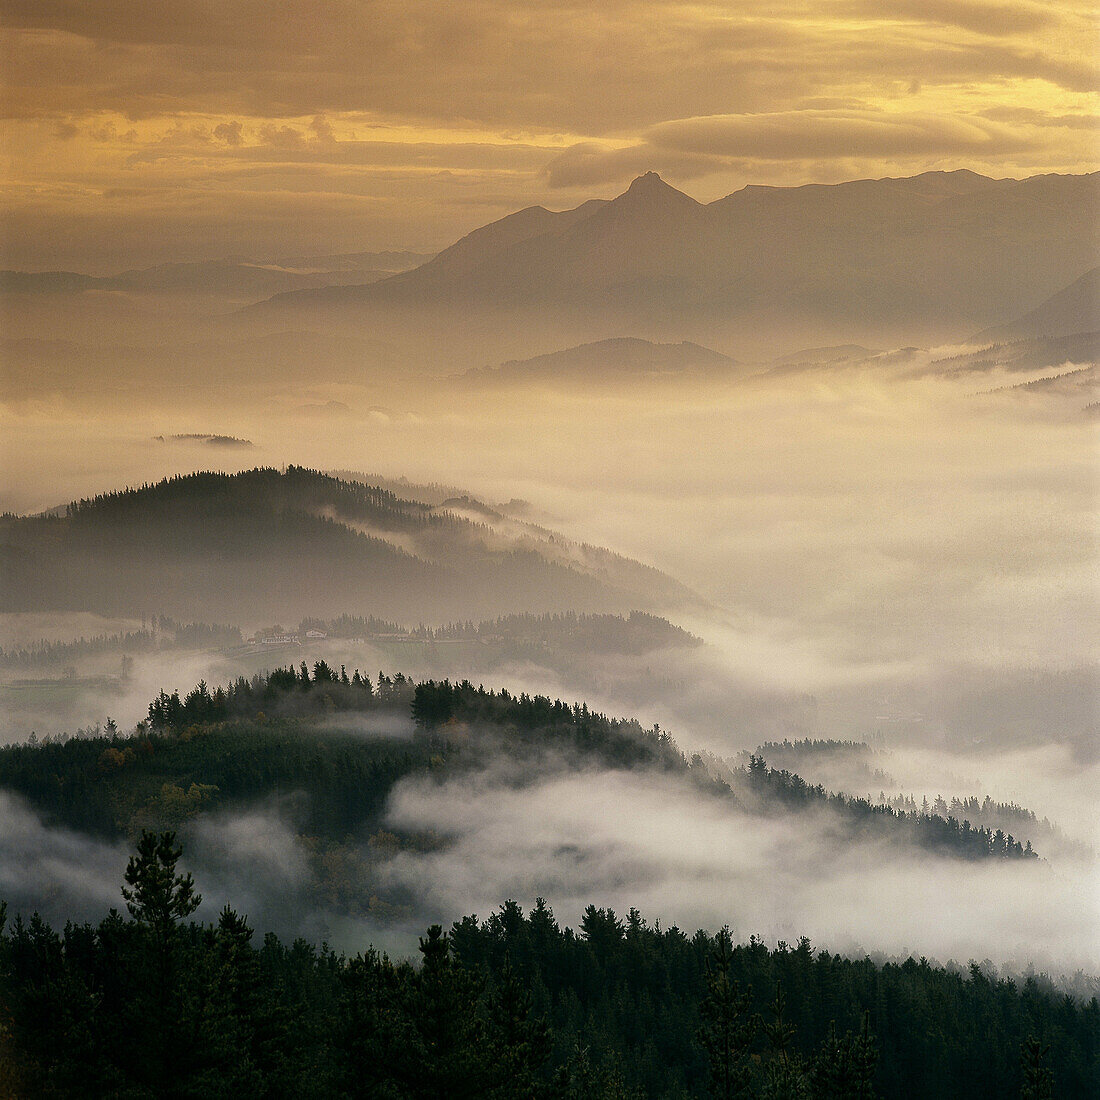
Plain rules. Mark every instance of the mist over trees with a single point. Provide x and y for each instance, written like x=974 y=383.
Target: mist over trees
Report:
x=331 y=747
x=729 y=375
x=161 y=631
x=510 y=1006
x=258 y=544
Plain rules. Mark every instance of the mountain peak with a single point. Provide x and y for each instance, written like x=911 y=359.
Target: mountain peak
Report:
x=647 y=180
x=650 y=183
x=650 y=191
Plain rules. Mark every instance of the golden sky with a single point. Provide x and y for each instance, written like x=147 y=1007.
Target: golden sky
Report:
x=136 y=132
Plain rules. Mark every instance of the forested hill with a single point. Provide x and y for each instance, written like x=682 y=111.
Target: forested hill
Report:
x=335 y=743
x=857 y=767
x=636 y=634
x=619 y=1009
x=514 y=1007
x=541 y=636
x=271 y=545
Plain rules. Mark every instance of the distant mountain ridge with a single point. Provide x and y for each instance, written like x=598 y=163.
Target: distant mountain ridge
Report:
x=224 y=276
x=614 y=360
x=1072 y=310
x=937 y=250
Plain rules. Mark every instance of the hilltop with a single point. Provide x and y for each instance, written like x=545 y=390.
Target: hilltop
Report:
x=618 y=361
x=265 y=545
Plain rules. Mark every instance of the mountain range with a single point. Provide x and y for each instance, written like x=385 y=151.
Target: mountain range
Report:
x=1074 y=309
x=887 y=261
x=923 y=261
x=234 y=278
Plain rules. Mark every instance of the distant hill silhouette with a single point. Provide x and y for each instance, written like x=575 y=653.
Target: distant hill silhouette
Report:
x=238 y=278
x=840 y=353
x=612 y=361
x=1075 y=309
x=903 y=257
x=266 y=545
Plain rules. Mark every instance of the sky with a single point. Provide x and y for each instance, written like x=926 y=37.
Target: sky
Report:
x=908 y=544
x=137 y=133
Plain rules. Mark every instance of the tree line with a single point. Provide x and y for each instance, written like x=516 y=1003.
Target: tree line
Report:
x=945 y=835
x=794 y=756
x=513 y=1007
x=218 y=739
x=262 y=488
x=184 y=636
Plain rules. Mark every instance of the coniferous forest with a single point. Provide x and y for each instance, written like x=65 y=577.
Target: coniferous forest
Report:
x=146 y=1002
x=548 y=550
x=258 y=734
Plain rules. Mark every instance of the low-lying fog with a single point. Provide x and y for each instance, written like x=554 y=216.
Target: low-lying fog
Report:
x=609 y=838
x=884 y=555
x=851 y=527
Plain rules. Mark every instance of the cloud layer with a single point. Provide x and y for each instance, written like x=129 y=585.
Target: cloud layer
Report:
x=407 y=124
x=627 y=839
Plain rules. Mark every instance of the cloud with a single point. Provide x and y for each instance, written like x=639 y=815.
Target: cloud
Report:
x=62 y=874
x=591 y=164
x=527 y=64
x=689 y=148
x=894 y=555
x=997 y=19
x=824 y=134
x=229 y=132
x=322 y=130
x=629 y=839
x=713 y=93
x=1034 y=117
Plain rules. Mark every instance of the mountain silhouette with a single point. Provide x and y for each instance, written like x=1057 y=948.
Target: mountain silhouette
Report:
x=268 y=545
x=1075 y=309
x=614 y=361
x=881 y=261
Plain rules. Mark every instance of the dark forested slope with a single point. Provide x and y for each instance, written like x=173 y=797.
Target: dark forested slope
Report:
x=328 y=739
x=269 y=545
x=617 y=1009
x=513 y=1008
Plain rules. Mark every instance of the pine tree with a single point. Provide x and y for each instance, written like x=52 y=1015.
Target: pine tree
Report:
x=155 y=895
x=579 y=1079
x=520 y=1041
x=728 y=1026
x=1038 y=1077
x=844 y=1069
x=784 y=1074
x=166 y=1008
x=374 y=1032
x=450 y=1060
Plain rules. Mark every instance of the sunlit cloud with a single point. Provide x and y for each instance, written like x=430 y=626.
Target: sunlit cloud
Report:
x=496 y=105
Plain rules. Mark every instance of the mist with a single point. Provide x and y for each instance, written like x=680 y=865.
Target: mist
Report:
x=620 y=839
x=884 y=551
x=610 y=838
x=646 y=461
x=849 y=529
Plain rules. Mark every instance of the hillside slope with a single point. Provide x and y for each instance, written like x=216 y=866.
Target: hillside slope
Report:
x=266 y=545
x=613 y=361
x=331 y=736
x=1073 y=310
